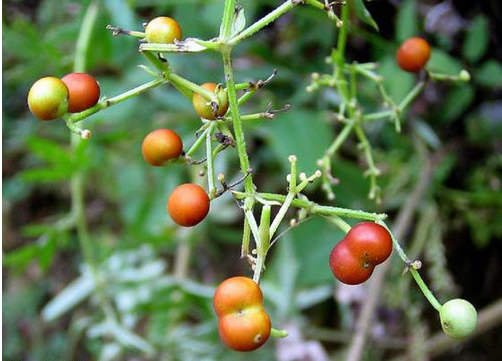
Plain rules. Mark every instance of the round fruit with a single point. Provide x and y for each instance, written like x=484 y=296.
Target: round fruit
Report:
x=163 y=30
x=458 y=318
x=188 y=204
x=84 y=91
x=48 y=98
x=413 y=54
x=203 y=106
x=243 y=323
x=366 y=245
x=160 y=146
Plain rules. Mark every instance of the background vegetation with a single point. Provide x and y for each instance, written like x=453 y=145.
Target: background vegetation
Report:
x=159 y=278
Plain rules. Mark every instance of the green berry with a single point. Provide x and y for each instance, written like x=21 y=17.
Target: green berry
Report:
x=458 y=318
x=48 y=98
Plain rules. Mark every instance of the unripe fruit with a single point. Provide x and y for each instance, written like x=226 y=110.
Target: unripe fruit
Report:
x=48 y=98
x=84 y=91
x=366 y=245
x=243 y=323
x=458 y=318
x=160 y=146
x=188 y=204
x=203 y=106
x=413 y=54
x=163 y=30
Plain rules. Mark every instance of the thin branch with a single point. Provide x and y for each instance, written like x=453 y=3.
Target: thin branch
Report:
x=400 y=229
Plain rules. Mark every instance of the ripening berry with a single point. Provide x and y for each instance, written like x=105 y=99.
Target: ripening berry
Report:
x=243 y=323
x=188 y=204
x=160 y=146
x=413 y=54
x=48 y=98
x=84 y=91
x=163 y=30
x=203 y=106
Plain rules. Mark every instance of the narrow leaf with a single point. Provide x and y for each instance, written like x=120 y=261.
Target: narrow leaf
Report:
x=363 y=14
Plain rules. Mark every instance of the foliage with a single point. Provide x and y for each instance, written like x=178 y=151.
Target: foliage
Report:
x=140 y=249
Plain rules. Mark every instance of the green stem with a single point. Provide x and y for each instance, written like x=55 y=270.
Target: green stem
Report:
x=227 y=20
x=103 y=104
x=339 y=222
x=342 y=36
x=418 y=279
x=412 y=95
x=340 y=139
x=185 y=86
x=236 y=120
x=425 y=290
x=210 y=163
x=293 y=191
x=267 y=19
x=317 y=209
x=77 y=180
x=278 y=333
x=196 y=145
x=84 y=37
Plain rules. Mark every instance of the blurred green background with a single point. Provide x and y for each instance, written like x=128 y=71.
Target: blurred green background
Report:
x=159 y=278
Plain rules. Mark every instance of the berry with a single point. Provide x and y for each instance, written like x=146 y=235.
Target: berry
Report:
x=366 y=245
x=243 y=323
x=162 y=30
x=48 y=98
x=413 y=54
x=160 y=146
x=84 y=91
x=188 y=204
x=458 y=318
x=203 y=106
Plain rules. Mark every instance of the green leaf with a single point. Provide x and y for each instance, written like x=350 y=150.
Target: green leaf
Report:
x=476 y=40
x=363 y=14
x=21 y=257
x=490 y=74
x=406 y=21
x=41 y=175
x=50 y=151
x=397 y=82
x=302 y=133
x=312 y=241
x=239 y=22
x=457 y=102
x=442 y=62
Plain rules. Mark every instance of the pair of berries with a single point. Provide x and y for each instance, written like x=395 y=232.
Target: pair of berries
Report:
x=368 y=244
x=50 y=98
x=188 y=204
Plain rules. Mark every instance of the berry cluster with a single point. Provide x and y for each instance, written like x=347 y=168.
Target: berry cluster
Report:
x=51 y=98
x=243 y=323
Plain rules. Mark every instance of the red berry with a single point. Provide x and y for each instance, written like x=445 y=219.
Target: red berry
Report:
x=188 y=204
x=160 y=146
x=413 y=54
x=48 y=98
x=366 y=245
x=84 y=91
x=243 y=323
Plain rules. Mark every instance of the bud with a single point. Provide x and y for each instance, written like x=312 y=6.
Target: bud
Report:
x=464 y=75
x=85 y=134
